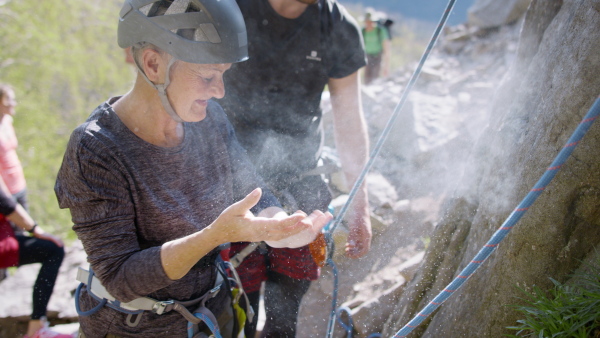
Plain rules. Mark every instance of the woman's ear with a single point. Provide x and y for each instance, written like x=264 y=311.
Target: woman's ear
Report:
x=153 y=65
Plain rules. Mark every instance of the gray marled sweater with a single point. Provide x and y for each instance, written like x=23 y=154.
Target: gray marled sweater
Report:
x=127 y=197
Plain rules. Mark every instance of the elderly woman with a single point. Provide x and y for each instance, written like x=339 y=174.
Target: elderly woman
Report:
x=151 y=178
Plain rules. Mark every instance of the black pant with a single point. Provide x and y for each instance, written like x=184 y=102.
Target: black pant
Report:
x=35 y=250
x=282 y=301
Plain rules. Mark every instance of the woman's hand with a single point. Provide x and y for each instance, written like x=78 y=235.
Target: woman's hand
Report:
x=238 y=224
x=316 y=221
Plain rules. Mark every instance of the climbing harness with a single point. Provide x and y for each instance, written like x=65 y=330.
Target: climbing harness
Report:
x=238 y=314
x=135 y=308
x=377 y=149
x=508 y=224
x=239 y=257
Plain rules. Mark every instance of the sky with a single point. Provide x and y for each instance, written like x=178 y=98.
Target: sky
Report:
x=425 y=10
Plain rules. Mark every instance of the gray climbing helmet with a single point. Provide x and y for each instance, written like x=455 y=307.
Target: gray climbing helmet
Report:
x=194 y=31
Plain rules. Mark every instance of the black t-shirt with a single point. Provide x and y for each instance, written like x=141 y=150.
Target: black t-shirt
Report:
x=273 y=98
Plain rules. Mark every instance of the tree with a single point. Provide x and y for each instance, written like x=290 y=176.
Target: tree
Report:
x=63 y=59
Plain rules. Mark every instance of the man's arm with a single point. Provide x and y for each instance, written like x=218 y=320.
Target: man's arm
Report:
x=352 y=143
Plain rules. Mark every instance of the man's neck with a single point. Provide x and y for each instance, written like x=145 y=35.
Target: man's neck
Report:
x=289 y=9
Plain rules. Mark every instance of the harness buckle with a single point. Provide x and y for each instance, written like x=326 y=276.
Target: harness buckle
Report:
x=214 y=291
x=160 y=306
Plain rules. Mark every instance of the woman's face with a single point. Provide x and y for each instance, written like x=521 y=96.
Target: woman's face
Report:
x=192 y=85
x=8 y=103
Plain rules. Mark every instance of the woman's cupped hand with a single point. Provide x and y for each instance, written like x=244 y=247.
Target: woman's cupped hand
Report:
x=238 y=224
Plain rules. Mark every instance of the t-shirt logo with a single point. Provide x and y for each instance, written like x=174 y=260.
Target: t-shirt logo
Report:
x=313 y=56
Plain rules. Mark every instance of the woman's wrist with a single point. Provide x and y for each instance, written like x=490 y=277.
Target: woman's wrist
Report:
x=32 y=230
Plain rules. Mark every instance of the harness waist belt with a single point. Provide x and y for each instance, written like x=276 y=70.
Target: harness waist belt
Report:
x=143 y=303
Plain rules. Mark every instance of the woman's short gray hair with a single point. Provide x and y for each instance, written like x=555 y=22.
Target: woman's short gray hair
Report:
x=138 y=48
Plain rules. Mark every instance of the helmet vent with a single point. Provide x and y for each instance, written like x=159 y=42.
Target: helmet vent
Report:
x=208 y=32
x=146 y=9
x=178 y=6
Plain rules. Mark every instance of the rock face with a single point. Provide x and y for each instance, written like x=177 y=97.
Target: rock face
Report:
x=551 y=85
x=492 y=109
x=490 y=13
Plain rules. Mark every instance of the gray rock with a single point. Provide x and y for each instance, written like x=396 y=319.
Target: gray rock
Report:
x=491 y=13
x=549 y=88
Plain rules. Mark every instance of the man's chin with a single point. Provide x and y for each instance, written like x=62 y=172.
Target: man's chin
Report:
x=308 y=2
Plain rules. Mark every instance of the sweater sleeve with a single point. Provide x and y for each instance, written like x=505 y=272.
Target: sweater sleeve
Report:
x=98 y=195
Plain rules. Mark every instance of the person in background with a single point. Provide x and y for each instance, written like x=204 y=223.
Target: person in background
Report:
x=16 y=247
x=152 y=179
x=296 y=48
x=377 y=46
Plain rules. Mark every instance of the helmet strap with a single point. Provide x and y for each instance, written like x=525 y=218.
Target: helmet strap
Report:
x=162 y=90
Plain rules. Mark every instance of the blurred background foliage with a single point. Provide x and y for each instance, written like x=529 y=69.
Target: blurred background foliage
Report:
x=62 y=59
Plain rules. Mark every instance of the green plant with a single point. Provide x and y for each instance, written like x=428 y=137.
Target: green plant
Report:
x=426 y=241
x=63 y=60
x=571 y=310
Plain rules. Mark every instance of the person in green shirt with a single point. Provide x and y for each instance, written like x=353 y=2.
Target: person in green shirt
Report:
x=377 y=47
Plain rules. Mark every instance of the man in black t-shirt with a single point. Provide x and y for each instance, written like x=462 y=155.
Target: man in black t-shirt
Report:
x=296 y=48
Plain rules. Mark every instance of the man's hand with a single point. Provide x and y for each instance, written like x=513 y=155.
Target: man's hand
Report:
x=359 y=238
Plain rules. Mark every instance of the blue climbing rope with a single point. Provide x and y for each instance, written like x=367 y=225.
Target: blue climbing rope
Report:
x=375 y=153
x=348 y=326
x=334 y=270
x=212 y=326
x=510 y=222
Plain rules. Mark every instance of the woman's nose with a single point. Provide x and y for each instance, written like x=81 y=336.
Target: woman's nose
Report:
x=218 y=88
